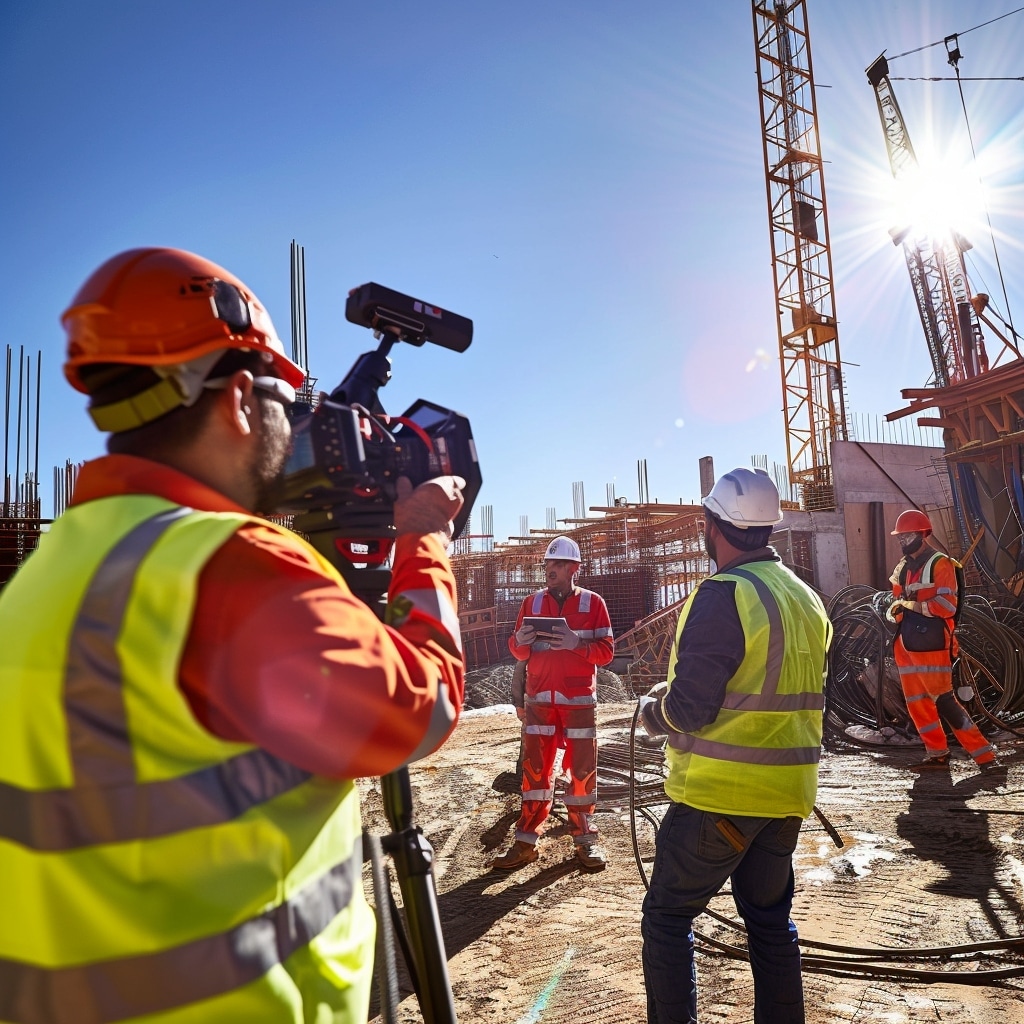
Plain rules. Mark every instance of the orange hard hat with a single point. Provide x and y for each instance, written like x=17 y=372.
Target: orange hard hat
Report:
x=164 y=307
x=912 y=521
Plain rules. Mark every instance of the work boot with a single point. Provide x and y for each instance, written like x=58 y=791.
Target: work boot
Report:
x=932 y=761
x=519 y=854
x=591 y=857
x=995 y=765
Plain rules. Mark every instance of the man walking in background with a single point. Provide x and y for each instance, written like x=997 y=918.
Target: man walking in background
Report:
x=742 y=709
x=926 y=600
x=560 y=705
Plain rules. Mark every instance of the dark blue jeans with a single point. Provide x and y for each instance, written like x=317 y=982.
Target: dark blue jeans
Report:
x=693 y=859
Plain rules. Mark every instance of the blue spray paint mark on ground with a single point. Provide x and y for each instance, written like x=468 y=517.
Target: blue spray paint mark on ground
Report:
x=538 y=1008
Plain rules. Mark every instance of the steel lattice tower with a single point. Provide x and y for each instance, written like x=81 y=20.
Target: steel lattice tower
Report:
x=812 y=386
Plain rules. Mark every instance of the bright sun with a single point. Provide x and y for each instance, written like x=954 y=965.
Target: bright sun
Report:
x=935 y=199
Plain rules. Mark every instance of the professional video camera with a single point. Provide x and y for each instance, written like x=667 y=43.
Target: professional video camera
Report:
x=348 y=453
x=341 y=483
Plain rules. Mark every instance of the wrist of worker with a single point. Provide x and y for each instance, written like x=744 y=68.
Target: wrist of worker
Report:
x=654 y=719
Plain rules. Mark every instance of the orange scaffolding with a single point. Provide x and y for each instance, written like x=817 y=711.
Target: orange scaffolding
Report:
x=643 y=559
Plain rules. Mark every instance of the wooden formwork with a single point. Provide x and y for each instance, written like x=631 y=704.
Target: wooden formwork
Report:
x=641 y=559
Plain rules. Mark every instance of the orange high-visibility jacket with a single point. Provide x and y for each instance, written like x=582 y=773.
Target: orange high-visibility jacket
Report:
x=932 y=588
x=571 y=673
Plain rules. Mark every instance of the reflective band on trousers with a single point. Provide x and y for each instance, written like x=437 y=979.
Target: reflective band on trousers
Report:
x=150 y=983
x=556 y=697
x=581 y=734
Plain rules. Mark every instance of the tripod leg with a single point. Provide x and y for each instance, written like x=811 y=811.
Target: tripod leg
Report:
x=414 y=857
x=386 y=965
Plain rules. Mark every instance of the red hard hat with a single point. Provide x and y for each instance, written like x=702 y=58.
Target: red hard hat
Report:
x=162 y=307
x=912 y=521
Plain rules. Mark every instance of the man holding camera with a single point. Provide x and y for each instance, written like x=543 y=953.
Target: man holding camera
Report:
x=560 y=705
x=742 y=709
x=188 y=691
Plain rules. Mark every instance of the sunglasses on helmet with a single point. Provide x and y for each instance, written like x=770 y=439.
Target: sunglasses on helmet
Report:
x=231 y=307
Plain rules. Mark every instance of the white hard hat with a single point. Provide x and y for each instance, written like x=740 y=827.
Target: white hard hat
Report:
x=745 y=498
x=565 y=548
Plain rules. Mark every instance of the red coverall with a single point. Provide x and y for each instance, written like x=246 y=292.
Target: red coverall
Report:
x=561 y=709
x=927 y=676
x=280 y=656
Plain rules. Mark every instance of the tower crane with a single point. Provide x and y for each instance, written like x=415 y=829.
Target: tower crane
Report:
x=936 y=263
x=981 y=407
x=812 y=386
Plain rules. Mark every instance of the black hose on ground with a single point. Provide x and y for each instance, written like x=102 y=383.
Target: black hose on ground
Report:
x=852 y=961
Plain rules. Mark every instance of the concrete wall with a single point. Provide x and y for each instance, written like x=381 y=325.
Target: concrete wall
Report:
x=828 y=546
x=874 y=483
x=898 y=474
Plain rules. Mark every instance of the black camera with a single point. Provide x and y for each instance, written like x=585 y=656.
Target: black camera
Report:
x=348 y=453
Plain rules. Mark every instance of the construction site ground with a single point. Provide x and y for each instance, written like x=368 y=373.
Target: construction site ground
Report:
x=930 y=860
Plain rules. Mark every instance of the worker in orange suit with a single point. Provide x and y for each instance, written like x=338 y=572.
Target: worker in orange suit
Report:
x=188 y=691
x=925 y=601
x=560 y=706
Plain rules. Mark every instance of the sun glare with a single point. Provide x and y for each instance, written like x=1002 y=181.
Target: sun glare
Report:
x=936 y=199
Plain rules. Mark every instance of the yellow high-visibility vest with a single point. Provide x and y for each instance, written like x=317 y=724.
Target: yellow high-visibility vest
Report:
x=760 y=755
x=151 y=870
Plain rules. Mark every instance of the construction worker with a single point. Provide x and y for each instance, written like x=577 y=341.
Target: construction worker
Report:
x=560 y=706
x=187 y=691
x=926 y=595
x=742 y=710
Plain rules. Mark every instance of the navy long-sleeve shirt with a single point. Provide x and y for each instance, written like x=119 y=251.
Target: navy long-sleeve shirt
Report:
x=711 y=648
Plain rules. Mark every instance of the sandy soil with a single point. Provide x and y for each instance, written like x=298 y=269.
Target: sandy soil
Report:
x=929 y=861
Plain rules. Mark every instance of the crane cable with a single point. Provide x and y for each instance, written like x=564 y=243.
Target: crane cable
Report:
x=928 y=46
x=954 y=60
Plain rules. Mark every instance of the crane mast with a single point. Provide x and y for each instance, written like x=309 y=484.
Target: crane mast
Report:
x=938 y=275
x=812 y=385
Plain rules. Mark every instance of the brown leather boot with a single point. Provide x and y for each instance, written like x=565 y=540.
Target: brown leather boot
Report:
x=518 y=855
x=592 y=857
x=930 y=762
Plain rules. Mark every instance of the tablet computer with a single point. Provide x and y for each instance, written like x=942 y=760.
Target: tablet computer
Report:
x=544 y=625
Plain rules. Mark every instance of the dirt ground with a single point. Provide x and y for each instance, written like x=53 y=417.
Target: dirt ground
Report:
x=932 y=860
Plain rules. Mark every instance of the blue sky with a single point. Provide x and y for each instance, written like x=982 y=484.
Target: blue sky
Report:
x=582 y=178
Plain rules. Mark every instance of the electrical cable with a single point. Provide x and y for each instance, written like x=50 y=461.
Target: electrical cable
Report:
x=984 y=631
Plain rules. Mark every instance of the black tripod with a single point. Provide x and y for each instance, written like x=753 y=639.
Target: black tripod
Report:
x=421 y=939
x=361 y=533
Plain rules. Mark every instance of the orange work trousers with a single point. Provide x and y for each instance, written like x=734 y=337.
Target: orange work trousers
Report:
x=927 y=680
x=547 y=727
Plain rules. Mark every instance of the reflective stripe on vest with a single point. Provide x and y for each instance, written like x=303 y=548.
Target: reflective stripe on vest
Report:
x=113 y=990
x=759 y=756
x=280 y=848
